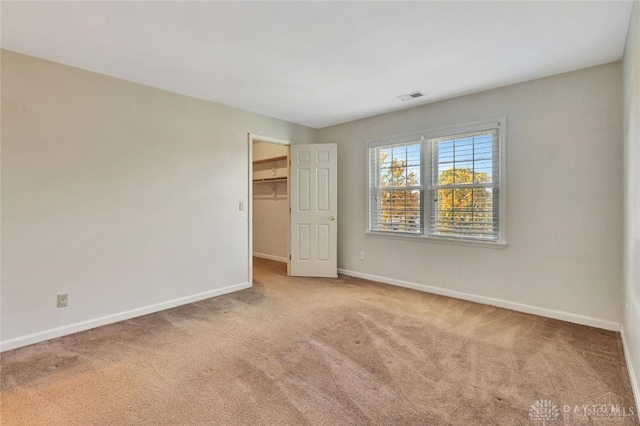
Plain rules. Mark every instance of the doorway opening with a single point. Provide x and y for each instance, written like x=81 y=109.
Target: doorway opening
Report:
x=269 y=188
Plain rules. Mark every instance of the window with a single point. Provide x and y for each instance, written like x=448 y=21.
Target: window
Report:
x=398 y=190
x=441 y=184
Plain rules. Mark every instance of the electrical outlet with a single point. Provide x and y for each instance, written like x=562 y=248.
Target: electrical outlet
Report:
x=63 y=300
x=361 y=255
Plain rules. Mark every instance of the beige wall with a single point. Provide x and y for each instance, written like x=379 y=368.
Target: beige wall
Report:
x=126 y=197
x=123 y=196
x=631 y=83
x=564 y=182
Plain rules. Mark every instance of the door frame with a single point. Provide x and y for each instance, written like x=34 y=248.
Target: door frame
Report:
x=251 y=138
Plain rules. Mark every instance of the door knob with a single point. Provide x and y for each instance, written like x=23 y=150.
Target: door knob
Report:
x=332 y=218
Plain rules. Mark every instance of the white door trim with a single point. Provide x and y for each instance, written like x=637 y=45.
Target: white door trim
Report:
x=251 y=138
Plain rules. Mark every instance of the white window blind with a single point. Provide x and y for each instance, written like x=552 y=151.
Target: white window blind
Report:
x=465 y=185
x=445 y=183
x=396 y=192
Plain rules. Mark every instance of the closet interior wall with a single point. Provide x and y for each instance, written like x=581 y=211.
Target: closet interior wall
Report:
x=270 y=201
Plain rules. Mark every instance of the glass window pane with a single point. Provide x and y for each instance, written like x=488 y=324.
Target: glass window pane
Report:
x=464 y=212
x=413 y=155
x=399 y=166
x=463 y=172
x=445 y=177
x=483 y=147
x=470 y=155
x=399 y=154
x=399 y=211
x=483 y=171
x=464 y=149
x=384 y=156
x=413 y=176
x=445 y=153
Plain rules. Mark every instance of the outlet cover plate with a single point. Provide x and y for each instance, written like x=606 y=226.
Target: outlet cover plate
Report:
x=63 y=300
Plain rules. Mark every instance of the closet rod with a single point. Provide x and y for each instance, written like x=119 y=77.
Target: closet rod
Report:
x=270 y=180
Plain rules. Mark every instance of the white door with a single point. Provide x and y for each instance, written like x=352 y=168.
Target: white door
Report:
x=314 y=225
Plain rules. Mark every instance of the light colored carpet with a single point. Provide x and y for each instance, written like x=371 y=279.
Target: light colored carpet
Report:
x=319 y=351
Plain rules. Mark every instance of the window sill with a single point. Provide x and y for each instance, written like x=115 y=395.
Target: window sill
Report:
x=500 y=245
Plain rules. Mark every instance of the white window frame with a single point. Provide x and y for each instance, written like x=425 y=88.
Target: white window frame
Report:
x=424 y=137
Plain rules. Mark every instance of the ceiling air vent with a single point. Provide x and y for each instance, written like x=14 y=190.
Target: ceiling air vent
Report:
x=410 y=96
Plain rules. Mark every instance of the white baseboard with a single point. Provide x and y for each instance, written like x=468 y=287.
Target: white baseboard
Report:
x=520 y=307
x=635 y=386
x=271 y=257
x=41 y=336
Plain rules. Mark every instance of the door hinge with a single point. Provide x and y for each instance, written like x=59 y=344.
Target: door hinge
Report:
x=289 y=257
x=289 y=209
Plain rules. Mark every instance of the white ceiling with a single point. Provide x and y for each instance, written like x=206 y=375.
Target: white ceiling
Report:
x=320 y=63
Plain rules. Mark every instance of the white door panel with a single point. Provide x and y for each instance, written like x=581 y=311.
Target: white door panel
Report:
x=314 y=226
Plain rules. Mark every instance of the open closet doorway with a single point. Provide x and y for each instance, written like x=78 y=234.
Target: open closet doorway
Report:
x=269 y=188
